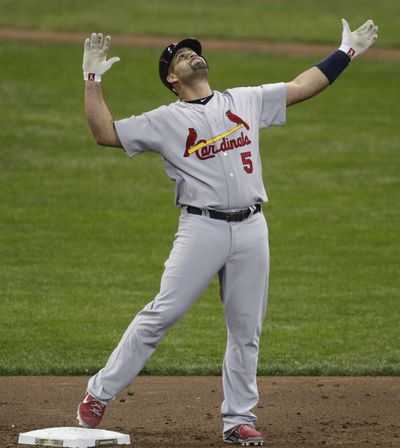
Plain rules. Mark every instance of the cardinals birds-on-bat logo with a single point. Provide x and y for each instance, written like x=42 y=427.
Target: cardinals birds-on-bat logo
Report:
x=235 y=119
x=206 y=149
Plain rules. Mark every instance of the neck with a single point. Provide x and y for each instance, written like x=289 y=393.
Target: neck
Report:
x=194 y=92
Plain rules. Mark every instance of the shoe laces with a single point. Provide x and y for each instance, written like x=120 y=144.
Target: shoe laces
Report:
x=96 y=408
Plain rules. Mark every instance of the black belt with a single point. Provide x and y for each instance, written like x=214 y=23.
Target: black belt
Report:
x=225 y=216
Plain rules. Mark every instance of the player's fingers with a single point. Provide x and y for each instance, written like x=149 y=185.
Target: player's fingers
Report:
x=106 y=45
x=371 y=33
x=86 y=46
x=93 y=39
x=373 y=30
x=111 y=61
x=346 y=26
x=367 y=26
x=373 y=38
x=370 y=24
x=99 y=41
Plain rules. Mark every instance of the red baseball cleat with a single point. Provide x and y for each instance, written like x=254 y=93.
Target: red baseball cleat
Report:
x=90 y=412
x=245 y=435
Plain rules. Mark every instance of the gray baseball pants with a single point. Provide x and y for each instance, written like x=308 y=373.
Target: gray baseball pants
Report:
x=203 y=247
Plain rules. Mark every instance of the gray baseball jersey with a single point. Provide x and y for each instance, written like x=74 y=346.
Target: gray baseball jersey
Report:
x=212 y=152
x=224 y=173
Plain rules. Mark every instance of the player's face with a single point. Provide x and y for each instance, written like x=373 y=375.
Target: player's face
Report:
x=186 y=62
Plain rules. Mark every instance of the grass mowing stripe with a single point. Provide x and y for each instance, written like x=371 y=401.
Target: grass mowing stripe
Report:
x=85 y=230
x=286 y=20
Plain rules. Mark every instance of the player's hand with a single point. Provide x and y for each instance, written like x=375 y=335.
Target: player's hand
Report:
x=356 y=42
x=94 y=57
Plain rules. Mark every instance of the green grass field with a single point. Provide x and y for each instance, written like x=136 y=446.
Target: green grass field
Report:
x=283 y=20
x=85 y=230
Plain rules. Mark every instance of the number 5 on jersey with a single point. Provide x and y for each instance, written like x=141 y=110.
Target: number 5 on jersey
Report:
x=247 y=162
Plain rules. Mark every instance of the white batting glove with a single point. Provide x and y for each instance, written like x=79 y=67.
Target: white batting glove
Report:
x=94 y=57
x=356 y=42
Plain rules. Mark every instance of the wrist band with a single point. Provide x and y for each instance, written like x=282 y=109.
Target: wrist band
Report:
x=91 y=77
x=333 y=65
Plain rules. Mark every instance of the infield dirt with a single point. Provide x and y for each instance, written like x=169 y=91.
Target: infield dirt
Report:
x=160 y=411
x=253 y=46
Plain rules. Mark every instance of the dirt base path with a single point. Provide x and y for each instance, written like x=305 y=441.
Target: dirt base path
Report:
x=184 y=411
x=253 y=46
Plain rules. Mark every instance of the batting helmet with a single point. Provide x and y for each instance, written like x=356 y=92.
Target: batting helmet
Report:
x=168 y=54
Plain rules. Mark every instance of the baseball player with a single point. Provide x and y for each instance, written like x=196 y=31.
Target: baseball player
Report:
x=209 y=143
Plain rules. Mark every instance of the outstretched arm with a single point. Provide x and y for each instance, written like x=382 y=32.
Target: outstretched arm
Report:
x=99 y=116
x=316 y=79
x=97 y=112
x=305 y=86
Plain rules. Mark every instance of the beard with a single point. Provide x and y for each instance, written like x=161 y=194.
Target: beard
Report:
x=198 y=64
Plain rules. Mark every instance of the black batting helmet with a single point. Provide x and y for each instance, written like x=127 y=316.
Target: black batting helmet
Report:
x=168 y=54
